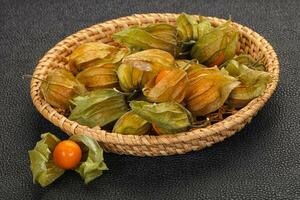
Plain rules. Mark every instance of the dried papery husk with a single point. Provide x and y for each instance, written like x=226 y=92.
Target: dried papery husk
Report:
x=165 y=32
x=131 y=78
x=98 y=107
x=59 y=87
x=169 y=117
x=42 y=166
x=189 y=30
x=131 y=124
x=139 y=68
x=149 y=60
x=208 y=89
x=93 y=165
x=170 y=88
x=217 y=46
x=188 y=65
x=253 y=83
x=250 y=62
x=156 y=36
x=93 y=54
x=104 y=76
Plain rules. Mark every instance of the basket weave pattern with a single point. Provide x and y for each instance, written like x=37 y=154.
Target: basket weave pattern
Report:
x=250 y=42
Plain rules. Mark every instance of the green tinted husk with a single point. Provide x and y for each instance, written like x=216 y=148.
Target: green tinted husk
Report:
x=42 y=166
x=98 y=107
x=93 y=165
x=131 y=124
x=169 y=117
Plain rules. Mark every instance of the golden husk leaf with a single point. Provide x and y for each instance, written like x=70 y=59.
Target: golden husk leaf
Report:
x=93 y=54
x=61 y=86
x=104 y=76
x=208 y=90
x=139 y=68
x=188 y=65
x=171 y=87
x=156 y=36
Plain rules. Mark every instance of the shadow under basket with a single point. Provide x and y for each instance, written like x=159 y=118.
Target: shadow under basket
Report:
x=148 y=145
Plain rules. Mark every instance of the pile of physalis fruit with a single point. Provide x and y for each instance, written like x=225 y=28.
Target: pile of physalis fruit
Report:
x=160 y=79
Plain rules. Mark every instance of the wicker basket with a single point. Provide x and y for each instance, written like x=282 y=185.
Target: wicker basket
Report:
x=250 y=42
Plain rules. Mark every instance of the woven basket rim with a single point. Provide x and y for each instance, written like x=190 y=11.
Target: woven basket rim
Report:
x=71 y=127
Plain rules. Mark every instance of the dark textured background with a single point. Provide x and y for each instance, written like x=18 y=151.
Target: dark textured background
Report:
x=262 y=161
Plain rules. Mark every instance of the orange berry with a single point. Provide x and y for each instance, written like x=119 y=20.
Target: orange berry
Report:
x=155 y=127
x=67 y=154
x=219 y=60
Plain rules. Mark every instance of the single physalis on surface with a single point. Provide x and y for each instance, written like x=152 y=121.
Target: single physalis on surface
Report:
x=67 y=154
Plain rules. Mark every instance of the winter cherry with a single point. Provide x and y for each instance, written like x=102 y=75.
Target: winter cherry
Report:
x=67 y=154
